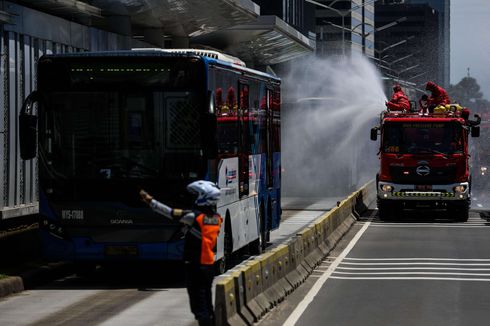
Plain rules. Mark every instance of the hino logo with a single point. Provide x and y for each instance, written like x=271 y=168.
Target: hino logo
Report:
x=423 y=170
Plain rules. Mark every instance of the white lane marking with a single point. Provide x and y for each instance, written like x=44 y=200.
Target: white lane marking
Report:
x=440 y=264
x=413 y=268
x=300 y=309
x=412 y=278
x=428 y=258
x=402 y=225
x=410 y=273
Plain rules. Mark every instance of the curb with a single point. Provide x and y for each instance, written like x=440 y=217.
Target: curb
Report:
x=26 y=280
x=10 y=285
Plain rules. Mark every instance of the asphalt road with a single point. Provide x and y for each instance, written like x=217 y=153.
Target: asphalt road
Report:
x=131 y=295
x=418 y=271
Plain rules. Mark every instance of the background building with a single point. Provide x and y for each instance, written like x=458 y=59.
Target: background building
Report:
x=344 y=27
x=409 y=51
x=443 y=8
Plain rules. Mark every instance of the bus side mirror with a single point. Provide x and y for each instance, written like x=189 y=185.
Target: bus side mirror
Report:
x=374 y=134
x=475 y=131
x=28 y=128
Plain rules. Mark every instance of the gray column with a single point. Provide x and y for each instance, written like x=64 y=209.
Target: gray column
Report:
x=180 y=42
x=154 y=36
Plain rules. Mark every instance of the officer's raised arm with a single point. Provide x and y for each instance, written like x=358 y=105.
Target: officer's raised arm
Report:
x=161 y=208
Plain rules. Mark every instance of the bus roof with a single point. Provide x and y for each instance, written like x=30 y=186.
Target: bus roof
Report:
x=206 y=55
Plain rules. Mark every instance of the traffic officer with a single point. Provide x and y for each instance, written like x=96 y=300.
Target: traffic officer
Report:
x=202 y=228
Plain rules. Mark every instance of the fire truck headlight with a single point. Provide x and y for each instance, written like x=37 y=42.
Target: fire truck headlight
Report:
x=459 y=189
x=386 y=188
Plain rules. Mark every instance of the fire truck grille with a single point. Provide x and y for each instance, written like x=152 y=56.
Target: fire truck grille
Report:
x=409 y=175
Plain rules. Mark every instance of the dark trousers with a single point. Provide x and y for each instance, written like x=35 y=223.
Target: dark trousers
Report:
x=199 y=280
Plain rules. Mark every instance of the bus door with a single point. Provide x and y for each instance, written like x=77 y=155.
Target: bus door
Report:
x=244 y=129
x=268 y=138
x=275 y=136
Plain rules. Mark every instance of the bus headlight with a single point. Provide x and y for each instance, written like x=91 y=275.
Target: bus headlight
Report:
x=386 y=188
x=459 y=188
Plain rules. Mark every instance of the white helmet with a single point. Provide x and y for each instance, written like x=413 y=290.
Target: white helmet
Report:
x=207 y=192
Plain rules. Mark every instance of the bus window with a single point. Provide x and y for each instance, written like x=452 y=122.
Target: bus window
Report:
x=244 y=139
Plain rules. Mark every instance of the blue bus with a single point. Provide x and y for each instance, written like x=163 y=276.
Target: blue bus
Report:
x=103 y=125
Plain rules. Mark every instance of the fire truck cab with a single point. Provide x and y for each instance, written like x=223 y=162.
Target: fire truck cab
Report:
x=424 y=161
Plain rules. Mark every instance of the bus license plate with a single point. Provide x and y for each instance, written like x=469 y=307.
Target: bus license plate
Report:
x=423 y=187
x=121 y=250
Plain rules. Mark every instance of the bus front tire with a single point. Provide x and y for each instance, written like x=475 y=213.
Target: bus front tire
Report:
x=257 y=246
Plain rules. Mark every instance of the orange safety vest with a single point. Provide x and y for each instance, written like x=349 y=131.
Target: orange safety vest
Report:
x=209 y=227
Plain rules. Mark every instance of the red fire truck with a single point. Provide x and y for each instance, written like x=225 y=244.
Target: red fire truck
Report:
x=424 y=161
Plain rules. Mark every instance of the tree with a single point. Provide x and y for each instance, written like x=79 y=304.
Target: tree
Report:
x=467 y=93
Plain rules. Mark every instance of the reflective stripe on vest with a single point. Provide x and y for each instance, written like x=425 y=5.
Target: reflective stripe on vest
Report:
x=210 y=226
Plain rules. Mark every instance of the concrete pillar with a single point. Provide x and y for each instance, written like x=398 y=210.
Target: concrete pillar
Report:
x=180 y=42
x=154 y=36
x=119 y=24
x=118 y=19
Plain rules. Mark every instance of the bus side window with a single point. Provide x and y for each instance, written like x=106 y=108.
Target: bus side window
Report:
x=227 y=118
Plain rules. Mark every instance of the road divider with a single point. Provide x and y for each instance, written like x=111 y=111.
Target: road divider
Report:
x=244 y=294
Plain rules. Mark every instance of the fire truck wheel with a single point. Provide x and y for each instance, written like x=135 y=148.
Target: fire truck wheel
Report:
x=460 y=212
x=386 y=211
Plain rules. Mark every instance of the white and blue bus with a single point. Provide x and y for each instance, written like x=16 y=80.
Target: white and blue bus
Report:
x=103 y=125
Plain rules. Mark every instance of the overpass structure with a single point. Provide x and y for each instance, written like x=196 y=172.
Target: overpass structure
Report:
x=31 y=28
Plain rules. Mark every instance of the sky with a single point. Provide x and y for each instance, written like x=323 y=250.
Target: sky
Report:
x=470 y=42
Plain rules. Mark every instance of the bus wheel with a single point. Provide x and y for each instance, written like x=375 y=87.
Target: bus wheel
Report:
x=460 y=212
x=258 y=246
x=85 y=270
x=223 y=264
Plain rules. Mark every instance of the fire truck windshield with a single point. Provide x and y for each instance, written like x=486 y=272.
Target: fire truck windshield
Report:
x=422 y=138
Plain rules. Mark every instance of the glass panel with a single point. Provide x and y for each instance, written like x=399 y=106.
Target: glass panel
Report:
x=415 y=138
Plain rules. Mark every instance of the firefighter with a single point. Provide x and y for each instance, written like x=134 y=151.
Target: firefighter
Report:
x=438 y=97
x=202 y=227
x=424 y=104
x=399 y=101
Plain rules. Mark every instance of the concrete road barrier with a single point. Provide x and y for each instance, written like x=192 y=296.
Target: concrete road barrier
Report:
x=11 y=284
x=262 y=282
x=298 y=273
x=283 y=267
x=254 y=299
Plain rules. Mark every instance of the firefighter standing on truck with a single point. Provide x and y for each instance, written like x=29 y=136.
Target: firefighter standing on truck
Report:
x=202 y=229
x=399 y=101
x=438 y=96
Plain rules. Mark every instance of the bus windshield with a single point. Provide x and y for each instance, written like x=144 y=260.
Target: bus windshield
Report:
x=120 y=119
x=423 y=138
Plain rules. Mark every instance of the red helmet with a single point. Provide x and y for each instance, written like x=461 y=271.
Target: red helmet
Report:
x=430 y=85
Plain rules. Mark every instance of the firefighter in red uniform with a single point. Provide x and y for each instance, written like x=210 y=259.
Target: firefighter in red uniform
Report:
x=399 y=101
x=202 y=229
x=439 y=95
